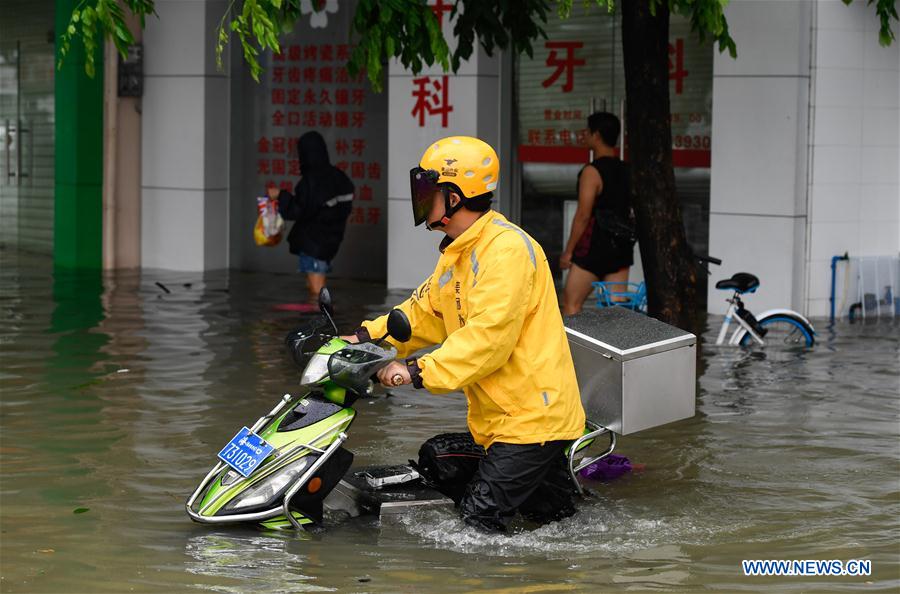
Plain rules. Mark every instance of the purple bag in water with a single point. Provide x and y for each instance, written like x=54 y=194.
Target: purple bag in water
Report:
x=607 y=469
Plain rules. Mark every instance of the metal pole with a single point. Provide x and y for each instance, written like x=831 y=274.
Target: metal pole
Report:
x=18 y=113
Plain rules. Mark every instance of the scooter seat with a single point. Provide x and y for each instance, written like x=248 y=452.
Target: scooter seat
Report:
x=742 y=282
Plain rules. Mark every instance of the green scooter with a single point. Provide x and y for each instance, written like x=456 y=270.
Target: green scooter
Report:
x=279 y=472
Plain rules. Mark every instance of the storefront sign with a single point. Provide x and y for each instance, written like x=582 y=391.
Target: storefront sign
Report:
x=579 y=68
x=307 y=87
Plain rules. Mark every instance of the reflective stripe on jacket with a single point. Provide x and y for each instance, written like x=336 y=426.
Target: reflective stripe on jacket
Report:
x=491 y=305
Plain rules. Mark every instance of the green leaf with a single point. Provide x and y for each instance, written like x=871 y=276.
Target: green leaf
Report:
x=81 y=510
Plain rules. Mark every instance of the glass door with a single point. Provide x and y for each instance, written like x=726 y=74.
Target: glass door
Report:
x=577 y=70
x=27 y=107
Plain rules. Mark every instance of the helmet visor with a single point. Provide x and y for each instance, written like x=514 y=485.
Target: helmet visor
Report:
x=422 y=185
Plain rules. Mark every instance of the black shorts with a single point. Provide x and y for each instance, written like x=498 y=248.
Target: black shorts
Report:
x=604 y=257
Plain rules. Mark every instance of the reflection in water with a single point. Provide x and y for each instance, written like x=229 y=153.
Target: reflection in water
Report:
x=242 y=559
x=116 y=394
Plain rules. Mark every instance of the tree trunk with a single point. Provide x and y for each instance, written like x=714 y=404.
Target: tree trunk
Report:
x=669 y=268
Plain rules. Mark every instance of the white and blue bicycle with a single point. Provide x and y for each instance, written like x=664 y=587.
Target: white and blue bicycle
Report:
x=783 y=327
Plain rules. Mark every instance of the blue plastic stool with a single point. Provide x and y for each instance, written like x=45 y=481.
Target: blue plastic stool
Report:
x=634 y=297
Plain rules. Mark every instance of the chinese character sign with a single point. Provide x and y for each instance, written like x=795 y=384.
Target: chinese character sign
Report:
x=431 y=95
x=307 y=87
x=579 y=68
x=563 y=65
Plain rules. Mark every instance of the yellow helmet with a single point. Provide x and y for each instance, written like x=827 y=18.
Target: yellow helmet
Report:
x=466 y=164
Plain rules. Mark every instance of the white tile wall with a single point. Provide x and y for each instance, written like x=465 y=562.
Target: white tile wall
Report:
x=880 y=164
x=763 y=246
x=173 y=41
x=877 y=57
x=830 y=239
x=835 y=203
x=881 y=88
x=757 y=142
x=853 y=190
x=838 y=87
x=839 y=48
x=880 y=239
x=881 y=127
x=172 y=135
x=184 y=149
x=820 y=279
x=836 y=164
x=768 y=38
x=879 y=202
x=834 y=14
x=172 y=231
x=855 y=154
x=838 y=126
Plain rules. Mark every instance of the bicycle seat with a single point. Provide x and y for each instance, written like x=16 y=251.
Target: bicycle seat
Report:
x=742 y=282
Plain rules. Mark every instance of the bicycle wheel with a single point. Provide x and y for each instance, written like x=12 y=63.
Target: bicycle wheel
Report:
x=783 y=330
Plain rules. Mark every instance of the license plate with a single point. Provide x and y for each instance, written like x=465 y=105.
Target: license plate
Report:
x=245 y=452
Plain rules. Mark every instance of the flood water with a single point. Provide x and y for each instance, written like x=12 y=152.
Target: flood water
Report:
x=117 y=393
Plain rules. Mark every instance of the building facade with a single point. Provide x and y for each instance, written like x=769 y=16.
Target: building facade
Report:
x=785 y=156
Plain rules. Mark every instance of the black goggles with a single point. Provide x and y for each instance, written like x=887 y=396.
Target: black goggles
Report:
x=423 y=183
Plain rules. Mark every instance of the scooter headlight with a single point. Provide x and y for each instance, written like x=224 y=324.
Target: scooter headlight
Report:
x=316 y=370
x=269 y=487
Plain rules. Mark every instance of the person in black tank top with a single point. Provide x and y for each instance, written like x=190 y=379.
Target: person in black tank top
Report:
x=592 y=253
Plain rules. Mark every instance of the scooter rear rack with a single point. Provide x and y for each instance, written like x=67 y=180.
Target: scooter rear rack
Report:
x=596 y=431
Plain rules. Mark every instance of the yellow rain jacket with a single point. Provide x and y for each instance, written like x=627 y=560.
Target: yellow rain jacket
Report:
x=492 y=304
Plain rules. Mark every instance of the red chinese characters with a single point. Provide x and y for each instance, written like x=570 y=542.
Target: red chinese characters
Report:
x=439 y=8
x=310 y=88
x=676 y=65
x=432 y=98
x=363 y=216
x=563 y=65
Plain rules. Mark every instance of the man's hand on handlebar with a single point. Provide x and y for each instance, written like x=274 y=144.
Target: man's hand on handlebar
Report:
x=395 y=374
x=352 y=339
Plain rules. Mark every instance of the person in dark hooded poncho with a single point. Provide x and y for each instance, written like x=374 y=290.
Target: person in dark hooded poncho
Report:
x=320 y=206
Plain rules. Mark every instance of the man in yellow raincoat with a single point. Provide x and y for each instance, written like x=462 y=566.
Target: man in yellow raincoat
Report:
x=491 y=304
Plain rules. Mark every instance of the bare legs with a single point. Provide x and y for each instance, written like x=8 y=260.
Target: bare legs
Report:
x=315 y=282
x=578 y=286
x=620 y=276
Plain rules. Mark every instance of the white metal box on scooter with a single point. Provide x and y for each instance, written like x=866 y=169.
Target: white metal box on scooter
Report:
x=634 y=372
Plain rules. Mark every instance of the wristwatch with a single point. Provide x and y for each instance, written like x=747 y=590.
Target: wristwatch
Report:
x=415 y=374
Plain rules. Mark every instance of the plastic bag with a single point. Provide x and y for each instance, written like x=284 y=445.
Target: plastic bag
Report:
x=269 y=224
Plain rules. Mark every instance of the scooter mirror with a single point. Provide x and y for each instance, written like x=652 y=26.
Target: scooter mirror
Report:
x=398 y=326
x=325 y=301
x=326 y=307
